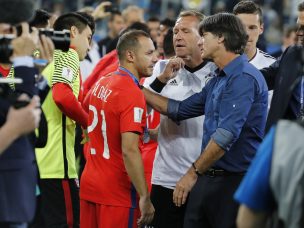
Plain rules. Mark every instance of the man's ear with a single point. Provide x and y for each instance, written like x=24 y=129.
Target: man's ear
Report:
x=262 y=28
x=130 y=57
x=220 y=39
x=74 y=31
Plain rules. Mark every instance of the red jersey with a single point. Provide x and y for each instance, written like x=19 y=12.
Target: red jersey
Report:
x=100 y=70
x=117 y=105
x=4 y=71
x=109 y=69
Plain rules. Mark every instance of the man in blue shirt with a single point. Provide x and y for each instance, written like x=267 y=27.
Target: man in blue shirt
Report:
x=235 y=105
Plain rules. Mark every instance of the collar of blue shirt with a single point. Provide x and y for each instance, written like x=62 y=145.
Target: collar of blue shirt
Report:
x=230 y=67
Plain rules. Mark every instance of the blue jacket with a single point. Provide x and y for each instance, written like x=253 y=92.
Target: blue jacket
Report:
x=18 y=169
x=283 y=76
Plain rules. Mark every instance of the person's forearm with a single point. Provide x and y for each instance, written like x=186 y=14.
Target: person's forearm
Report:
x=135 y=169
x=247 y=218
x=156 y=101
x=212 y=153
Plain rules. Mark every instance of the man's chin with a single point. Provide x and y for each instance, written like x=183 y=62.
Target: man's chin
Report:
x=183 y=56
x=248 y=47
x=146 y=75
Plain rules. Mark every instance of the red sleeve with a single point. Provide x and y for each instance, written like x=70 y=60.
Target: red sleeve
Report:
x=68 y=104
x=86 y=101
x=133 y=111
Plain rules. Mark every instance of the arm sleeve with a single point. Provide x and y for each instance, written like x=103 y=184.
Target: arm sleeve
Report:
x=270 y=72
x=133 y=112
x=68 y=104
x=191 y=107
x=66 y=67
x=235 y=105
x=86 y=101
x=254 y=191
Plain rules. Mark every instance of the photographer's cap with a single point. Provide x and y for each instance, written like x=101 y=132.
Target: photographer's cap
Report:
x=16 y=11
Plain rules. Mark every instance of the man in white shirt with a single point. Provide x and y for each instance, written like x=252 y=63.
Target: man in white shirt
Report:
x=178 y=145
x=251 y=16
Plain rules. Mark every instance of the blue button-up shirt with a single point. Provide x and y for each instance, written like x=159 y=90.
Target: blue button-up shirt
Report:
x=235 y=107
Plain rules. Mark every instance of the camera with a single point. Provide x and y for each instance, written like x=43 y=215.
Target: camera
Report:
x=6 y=49
x=61 y=40
x=8 y=95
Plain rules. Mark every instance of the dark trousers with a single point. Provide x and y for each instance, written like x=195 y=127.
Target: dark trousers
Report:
x=59 y=203
x=167 y=215
x=211 y=204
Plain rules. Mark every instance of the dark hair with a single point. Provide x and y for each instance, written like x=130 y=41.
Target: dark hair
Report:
x=40 y=19
x=153 y=19
x=90 y=19
x=248 y=7
x=114 y=12
x=230 y=27
x=78 y=19
x=194 y=13
x=168 y=23
x=168 y=44
x=301 y=6
x=137 y=26
x=129 y=41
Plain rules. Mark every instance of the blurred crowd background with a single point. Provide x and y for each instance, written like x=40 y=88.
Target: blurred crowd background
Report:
x=279 y=15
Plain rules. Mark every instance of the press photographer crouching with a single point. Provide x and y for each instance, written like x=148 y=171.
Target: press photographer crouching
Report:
x=19 y=113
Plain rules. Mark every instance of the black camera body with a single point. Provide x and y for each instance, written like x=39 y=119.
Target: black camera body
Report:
x=6 y=49
x=11 y=97
x=61 y=40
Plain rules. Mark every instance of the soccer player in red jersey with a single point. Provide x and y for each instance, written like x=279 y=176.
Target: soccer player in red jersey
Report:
x=113 y=191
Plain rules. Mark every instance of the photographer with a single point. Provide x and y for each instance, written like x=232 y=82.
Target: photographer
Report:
x=18 y=169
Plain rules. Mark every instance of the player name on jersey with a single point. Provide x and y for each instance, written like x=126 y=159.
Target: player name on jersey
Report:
x=101 y=92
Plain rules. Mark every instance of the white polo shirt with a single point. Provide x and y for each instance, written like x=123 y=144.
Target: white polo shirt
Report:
x=178 y=145
x=260 y=61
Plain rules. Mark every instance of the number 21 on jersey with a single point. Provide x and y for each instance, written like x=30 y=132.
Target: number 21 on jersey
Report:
x=106 y=151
